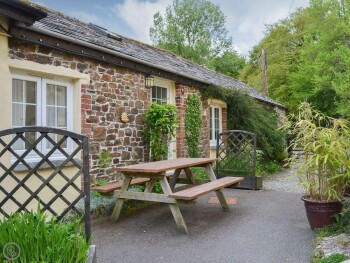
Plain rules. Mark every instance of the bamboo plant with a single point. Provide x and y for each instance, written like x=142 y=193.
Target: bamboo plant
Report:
x=325 y=142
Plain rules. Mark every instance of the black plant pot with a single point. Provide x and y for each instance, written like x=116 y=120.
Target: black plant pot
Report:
x=321 y=213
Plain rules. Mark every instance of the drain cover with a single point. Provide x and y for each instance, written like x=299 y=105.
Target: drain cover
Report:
x=230 y=200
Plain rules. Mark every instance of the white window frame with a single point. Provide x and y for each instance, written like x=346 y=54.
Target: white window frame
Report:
x=212 y=121
x=41 y=83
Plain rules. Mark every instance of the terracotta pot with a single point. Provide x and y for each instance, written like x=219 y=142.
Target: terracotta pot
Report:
x=321 y=213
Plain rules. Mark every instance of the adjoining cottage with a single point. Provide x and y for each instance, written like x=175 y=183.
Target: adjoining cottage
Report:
x=57 y=71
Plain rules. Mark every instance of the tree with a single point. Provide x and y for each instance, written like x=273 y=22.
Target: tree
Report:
x=193 y=29
x=230 y=63
x=308 y=58
x=282 y=43
x=323 y=74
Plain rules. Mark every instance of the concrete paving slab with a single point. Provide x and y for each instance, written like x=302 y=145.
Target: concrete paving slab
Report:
x=263 y=227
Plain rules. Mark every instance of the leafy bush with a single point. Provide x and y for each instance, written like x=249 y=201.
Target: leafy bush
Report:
x=160 y=126
x=334 y=258
x=200 y=173
x=245 y=113
x=43 y=240
x=267 y=167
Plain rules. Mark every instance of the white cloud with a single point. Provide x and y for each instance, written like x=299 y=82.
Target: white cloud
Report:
x=138 y=15
x=247 y=20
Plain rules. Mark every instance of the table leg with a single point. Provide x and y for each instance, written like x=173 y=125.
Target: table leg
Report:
x=174 y=178
x=180 y=222
x=150 y=185
x=219 y=193
x=189 y=175
x=119 y=204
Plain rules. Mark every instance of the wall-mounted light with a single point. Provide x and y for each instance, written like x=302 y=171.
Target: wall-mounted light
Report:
x=149 y=81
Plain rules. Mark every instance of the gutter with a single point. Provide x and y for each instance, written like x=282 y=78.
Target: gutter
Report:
x=122 y=55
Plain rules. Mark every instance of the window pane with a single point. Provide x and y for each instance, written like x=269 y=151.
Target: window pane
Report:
x=30 y=136
x=164 y=94
x=17 y=90
x=159 y=93
x=18 y=145
x=49 y=145
x=17 y=115
x=50 y=116
x=154 y=93
x=216 y=113
x=30 y=92
x=50 y=94
x=61 y=96
x=64 y=144
x=61 y=117
x=30 y=114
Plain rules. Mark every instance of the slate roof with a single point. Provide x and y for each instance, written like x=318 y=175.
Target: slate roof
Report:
x=61 y=24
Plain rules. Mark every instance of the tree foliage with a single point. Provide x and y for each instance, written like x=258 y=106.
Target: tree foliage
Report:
x=308 y=57
x=196 y=30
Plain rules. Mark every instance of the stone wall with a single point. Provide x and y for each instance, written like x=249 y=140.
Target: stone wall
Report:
x=112 y=90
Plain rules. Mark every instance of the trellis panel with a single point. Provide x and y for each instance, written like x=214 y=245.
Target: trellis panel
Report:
x=55 y=185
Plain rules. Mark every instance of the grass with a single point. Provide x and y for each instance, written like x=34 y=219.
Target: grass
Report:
x=43 y=240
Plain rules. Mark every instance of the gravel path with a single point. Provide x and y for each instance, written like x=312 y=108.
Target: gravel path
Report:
x=284 y=181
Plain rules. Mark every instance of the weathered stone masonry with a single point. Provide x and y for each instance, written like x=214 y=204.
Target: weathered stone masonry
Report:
x=113 y=90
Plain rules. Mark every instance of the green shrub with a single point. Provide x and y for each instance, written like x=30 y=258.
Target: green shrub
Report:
x=245 y=113
x=43 y=240
x=267 y=168
x=200 y=173
x=160 y=126
x=334 y=258
x=104 y=159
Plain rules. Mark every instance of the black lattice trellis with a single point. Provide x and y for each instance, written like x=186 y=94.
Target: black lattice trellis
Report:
x=236 y=154
x=8 y=139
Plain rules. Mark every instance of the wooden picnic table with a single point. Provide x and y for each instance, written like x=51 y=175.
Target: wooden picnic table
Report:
x=156 y=171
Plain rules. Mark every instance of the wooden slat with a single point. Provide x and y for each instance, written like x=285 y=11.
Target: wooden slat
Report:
x=161 y=198
x=109 y=188
x=104 y=189
x=163 y=166
x=203 y=189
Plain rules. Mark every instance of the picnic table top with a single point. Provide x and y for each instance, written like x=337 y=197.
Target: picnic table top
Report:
x=166 y=165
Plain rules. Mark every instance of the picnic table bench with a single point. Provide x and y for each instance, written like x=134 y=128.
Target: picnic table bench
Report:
x=156 y=171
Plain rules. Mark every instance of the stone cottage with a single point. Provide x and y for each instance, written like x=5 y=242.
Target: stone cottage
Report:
x=57 y=71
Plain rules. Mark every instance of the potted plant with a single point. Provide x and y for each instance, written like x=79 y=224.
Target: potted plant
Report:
x=324 y=169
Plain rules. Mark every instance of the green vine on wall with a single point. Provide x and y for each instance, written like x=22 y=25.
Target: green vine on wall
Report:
x=160 y=127
x=193 y=123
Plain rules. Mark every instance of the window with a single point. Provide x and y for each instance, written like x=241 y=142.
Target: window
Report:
x=41 y=102
x=215 y=124
x=159 y=95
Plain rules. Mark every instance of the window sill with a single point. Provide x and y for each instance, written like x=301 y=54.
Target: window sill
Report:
x=22 y=168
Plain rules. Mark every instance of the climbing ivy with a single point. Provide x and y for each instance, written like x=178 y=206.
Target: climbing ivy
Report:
x=193 y=122
x=245 y=113
x=160 y=126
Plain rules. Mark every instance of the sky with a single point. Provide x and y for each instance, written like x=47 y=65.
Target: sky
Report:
x=246 y=20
